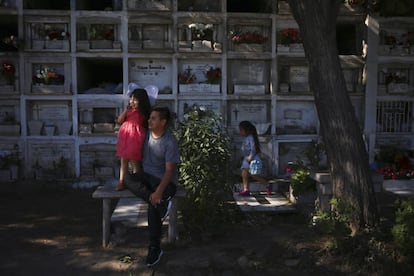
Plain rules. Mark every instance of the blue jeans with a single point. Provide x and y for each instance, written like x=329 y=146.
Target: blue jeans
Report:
x=143 y=185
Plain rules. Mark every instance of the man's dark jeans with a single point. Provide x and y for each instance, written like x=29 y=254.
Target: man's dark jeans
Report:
x=143 y=185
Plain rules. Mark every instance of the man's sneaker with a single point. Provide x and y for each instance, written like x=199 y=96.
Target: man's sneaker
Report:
x=244 y=193
x=164 y=208
x=154 y=255
x=269 y=189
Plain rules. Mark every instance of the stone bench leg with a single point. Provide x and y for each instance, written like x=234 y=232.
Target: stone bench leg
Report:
x=106 y=221
x=172 y=221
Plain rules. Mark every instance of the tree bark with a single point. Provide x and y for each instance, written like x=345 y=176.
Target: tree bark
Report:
x=340 y=129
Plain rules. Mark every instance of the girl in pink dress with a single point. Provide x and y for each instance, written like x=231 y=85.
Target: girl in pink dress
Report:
x=131 y=135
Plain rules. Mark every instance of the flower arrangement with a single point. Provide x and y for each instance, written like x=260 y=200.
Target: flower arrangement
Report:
x=48 y=75
x=248 y=37
x=289 y=36
x=393 y=163
x=200 y=31
x=395 y=77
x=186 y=77
x=8 y=70
x=102 y=32
x=213 y=75
x=56 y=35
x=8 y=43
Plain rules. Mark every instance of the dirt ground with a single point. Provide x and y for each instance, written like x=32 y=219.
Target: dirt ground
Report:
x=51 y=230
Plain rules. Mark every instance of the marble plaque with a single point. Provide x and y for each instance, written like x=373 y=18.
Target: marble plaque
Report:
x=198 y=70
x=153 y=33
x=151 y=72
x=49 y=112
x=299 y=74
x=248 y=72
x=256 y=112
x=45 y=154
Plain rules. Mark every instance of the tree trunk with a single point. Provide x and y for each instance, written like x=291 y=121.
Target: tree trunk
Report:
x=340 y=130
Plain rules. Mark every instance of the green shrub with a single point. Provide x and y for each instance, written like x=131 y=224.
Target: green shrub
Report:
x=403 y=230
x=204 y=169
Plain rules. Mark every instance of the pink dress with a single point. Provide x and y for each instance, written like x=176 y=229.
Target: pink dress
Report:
x=131 y=136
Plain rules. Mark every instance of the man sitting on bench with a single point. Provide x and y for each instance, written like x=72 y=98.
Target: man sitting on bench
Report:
x=157 y=183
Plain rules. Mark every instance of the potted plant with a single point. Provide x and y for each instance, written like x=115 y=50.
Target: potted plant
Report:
x=56 y=39
x=201 y=35
x=102 y=36
x=291 y=38
x=251 y=41
x=47 y=80
x=7 y=71
x=396 y=82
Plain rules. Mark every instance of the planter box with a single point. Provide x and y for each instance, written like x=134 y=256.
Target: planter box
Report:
x=57 y=44
x=296 y=48
x=199 y=88
x=82 y=45
x=283 y=48
x=101 y=44
x=10 y=130
x=397 y=88
x=249 y=89
x=6 y=89
x=149 y=4
x=153 y=44
x=103 y=127
x=391 y=184
x=38 y=44
x=249 y=47
x=47 y=89
x=325 y=189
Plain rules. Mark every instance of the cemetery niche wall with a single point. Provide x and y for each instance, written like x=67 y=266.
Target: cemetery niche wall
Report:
x=66 y=66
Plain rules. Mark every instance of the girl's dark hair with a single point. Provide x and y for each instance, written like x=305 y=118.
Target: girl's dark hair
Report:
x=251 y=129
x=144 y=106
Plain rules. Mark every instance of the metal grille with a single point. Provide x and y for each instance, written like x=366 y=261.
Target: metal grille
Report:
x=394 y=116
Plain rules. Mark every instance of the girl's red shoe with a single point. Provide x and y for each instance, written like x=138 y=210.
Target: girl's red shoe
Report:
x=120 y=186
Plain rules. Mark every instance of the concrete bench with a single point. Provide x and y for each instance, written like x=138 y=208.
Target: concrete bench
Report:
x=108 y=193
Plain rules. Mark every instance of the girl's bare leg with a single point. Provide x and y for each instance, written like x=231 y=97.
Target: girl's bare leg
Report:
x=135 y=167
x=260 y=179
x=245 y=179
x=122 y=171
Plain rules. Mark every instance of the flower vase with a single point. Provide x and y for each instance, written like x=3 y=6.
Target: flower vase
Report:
x=296 y=47
x=64 y=127
x=283 y=48
x=35 y=127
x=49 y=130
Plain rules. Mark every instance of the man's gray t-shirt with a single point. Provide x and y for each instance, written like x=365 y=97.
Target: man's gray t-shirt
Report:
x=158 y=152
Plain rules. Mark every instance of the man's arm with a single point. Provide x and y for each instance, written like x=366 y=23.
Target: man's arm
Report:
x=156 y=196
